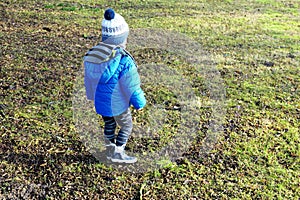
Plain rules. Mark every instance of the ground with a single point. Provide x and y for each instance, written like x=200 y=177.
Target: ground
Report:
x=255 y=46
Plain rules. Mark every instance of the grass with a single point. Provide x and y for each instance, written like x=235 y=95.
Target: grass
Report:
x=256 y=47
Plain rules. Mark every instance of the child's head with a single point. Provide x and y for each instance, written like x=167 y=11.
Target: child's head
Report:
x=115 y=30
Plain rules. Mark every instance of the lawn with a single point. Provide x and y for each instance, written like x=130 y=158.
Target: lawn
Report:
x=234 y=65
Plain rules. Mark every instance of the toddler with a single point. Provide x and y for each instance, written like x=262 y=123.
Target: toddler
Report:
x=113 y=83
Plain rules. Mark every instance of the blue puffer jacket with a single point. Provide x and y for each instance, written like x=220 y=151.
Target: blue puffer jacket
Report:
x=112 y=80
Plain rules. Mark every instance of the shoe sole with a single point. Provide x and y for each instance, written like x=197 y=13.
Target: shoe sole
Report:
x=123 y=161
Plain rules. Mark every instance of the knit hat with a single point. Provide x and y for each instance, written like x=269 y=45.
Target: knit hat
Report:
x=115 y=30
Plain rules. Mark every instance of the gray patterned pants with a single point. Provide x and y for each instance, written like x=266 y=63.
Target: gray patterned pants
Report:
x=124 y=121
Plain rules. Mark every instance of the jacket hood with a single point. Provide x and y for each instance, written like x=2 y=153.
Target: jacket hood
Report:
x=101 y=53
x=107 y=56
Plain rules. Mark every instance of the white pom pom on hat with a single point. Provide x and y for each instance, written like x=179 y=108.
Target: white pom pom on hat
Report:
x=115 y=30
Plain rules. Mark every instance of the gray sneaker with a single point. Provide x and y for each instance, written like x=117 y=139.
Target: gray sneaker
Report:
x=110 y=149
x=121 y=157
